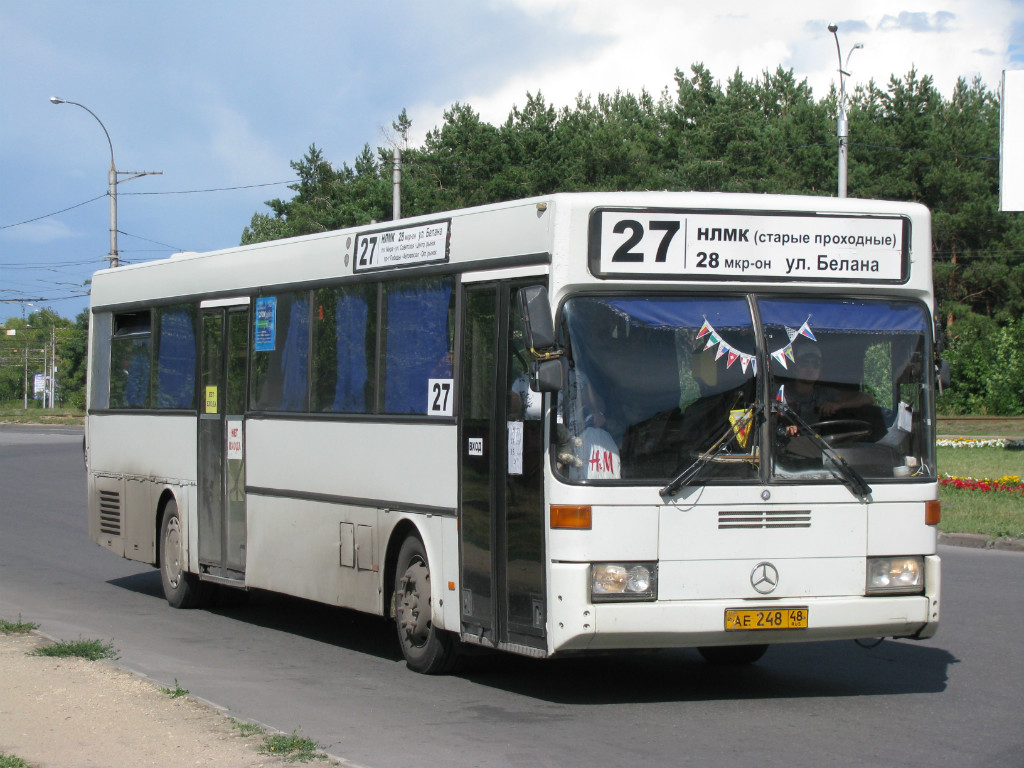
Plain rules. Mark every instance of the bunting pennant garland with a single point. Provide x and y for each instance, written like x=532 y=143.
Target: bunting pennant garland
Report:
x=784 y=355
x=726 y=350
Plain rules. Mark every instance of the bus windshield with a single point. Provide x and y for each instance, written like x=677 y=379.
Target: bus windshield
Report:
x=737 y=388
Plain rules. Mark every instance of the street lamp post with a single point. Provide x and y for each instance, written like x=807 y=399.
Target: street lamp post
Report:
x=843 y=126
x=112 y=181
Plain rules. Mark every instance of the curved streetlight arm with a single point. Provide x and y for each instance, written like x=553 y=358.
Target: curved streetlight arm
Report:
x=106 y=133
x=112 y=180
x=842 y=123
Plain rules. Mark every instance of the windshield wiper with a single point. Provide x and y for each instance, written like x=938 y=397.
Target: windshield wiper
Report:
x=846 y=474
x=717 y=448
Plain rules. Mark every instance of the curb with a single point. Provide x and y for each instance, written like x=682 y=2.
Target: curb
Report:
x=981 y=541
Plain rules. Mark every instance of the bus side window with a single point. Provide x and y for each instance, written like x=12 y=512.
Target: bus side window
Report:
x=345 y=349
x=418 y=341
x=130 y=360
x=281 y=368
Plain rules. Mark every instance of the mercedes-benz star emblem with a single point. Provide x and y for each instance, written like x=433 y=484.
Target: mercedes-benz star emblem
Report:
x=764 y=578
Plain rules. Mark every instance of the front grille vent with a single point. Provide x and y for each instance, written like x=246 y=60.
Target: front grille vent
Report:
x=110 y=512
x=773 y=518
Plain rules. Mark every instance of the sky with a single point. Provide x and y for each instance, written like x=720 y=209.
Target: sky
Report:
x=219 y=96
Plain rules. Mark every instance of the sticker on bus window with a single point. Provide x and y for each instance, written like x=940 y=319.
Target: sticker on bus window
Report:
x=515 y=447
x=235 y=448
x=439 y=397
x=266 y=324
x=211 y=400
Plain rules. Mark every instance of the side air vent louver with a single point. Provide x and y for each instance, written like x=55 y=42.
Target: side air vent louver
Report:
x=110 y=512
x=782 y=518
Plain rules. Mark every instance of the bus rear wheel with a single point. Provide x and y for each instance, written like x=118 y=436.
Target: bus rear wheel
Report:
x=181 y=588
x=732 y=655
x=426 y=648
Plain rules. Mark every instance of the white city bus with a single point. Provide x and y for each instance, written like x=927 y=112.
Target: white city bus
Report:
x=565 y=424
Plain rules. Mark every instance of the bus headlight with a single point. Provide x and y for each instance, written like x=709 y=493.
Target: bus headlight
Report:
x=895 y=575
x=612 y=582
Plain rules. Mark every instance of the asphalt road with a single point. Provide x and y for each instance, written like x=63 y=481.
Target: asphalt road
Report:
x=955 y=700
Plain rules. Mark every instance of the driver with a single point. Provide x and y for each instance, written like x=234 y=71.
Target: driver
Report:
x=813 y=401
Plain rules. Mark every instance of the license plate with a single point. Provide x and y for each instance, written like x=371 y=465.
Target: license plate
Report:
x=760 y=618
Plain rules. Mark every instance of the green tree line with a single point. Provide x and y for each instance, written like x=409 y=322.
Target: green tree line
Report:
x=767 y=134
x=26 y=347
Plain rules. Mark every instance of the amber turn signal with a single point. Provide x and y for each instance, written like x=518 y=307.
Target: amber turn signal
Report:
x=577 y=518
x=932 y=512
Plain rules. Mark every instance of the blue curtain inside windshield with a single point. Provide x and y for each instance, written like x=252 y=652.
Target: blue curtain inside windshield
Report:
x=860 y=316
x=670 y=313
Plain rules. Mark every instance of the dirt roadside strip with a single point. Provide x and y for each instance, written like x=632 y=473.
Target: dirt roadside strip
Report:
x=73 y=713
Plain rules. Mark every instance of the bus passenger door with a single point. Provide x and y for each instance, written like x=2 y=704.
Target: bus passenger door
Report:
x=225 y=348
x=501 y=521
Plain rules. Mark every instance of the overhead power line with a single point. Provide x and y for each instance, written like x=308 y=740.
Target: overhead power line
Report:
x=122 y=194
x=55 y=213
x=215 y=189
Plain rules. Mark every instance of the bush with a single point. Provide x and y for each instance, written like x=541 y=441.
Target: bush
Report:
x=986 y=366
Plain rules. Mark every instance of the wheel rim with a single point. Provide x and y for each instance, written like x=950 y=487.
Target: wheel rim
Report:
x=413 y=605
x=172 y=552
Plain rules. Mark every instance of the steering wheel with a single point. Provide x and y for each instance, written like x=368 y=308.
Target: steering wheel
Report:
x=837 y=431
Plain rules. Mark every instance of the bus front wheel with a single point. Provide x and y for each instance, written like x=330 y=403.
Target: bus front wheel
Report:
x=732 y=655
x=181 y=588
x=426 y=648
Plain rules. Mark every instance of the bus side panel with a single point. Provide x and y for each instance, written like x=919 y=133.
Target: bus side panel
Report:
x=315 y=550
x=324 y=498
x=404 y=466
x=132 y=459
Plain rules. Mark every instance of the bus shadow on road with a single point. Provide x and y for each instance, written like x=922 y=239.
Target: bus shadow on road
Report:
x=341 y=627
x=826 y=669
x=798 y=670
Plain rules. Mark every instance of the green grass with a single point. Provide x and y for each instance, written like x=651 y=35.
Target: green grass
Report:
x=292 y=747
x=91 y=650
x=981 y=462
x=10 y=761
x=15 y=413
x=246 y=729
x=18 y=627
x=176 y=692
x=991 y=513
x=975 y=427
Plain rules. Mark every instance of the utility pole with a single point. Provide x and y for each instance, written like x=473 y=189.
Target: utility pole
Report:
x=843 y=126
x=396 y=186
x=112 y=180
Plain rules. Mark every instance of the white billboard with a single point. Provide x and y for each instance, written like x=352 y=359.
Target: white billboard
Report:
x=1011 y=142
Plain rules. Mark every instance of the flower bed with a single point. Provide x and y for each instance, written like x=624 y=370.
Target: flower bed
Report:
x=1011 y=483
x=980 y=442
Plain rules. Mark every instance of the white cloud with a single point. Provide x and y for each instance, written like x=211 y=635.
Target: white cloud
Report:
x=44 y=231
x=644 y=43
x=233 y=147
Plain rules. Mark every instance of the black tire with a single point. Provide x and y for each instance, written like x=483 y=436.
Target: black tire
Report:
x=732 y=655
x=426 y=649
x=182 y=589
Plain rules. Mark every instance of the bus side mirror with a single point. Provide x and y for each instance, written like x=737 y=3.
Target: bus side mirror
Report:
x=546 y=375
x=942 y=372
x=535 y=312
